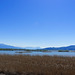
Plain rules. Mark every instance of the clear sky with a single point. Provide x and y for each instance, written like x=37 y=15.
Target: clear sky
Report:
x=37 y=23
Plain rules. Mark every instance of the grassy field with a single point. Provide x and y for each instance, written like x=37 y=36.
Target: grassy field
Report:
x=36 y=65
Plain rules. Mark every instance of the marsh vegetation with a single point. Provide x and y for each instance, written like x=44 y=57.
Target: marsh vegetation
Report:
x=36 y=65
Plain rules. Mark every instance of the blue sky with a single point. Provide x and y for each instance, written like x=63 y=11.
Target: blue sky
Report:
x=44 y=23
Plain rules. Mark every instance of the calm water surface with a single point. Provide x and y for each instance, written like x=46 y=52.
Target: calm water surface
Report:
x=40 y=53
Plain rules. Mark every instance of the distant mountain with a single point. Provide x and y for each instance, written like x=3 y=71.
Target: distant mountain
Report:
x=32 y=48
x=8 y=46
x=12 y=47
x=71 y=47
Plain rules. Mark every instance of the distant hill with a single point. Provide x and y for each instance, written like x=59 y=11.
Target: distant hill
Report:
x=32 y=48
x=12 y=47
x=71 y=47
x=8 y=46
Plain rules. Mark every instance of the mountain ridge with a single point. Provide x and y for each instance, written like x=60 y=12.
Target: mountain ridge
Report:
x=71 y=47
x=13 y=47
x=8 y=46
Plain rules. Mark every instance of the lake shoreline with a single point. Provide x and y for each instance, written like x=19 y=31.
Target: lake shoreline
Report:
x=40 y=53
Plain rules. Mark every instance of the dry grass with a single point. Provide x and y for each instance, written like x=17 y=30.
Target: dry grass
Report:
x=36 y=65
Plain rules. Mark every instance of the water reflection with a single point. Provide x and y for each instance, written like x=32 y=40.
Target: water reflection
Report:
x=39 y=53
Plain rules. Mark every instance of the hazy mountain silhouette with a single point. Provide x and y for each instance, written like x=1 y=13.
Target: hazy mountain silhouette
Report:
x=8 y=46
x=71 y=47
x=32 y=48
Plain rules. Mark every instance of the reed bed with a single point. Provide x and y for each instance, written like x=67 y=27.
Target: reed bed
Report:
x=36 y=65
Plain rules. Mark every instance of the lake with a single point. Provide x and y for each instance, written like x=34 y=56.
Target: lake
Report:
x=39 y=53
